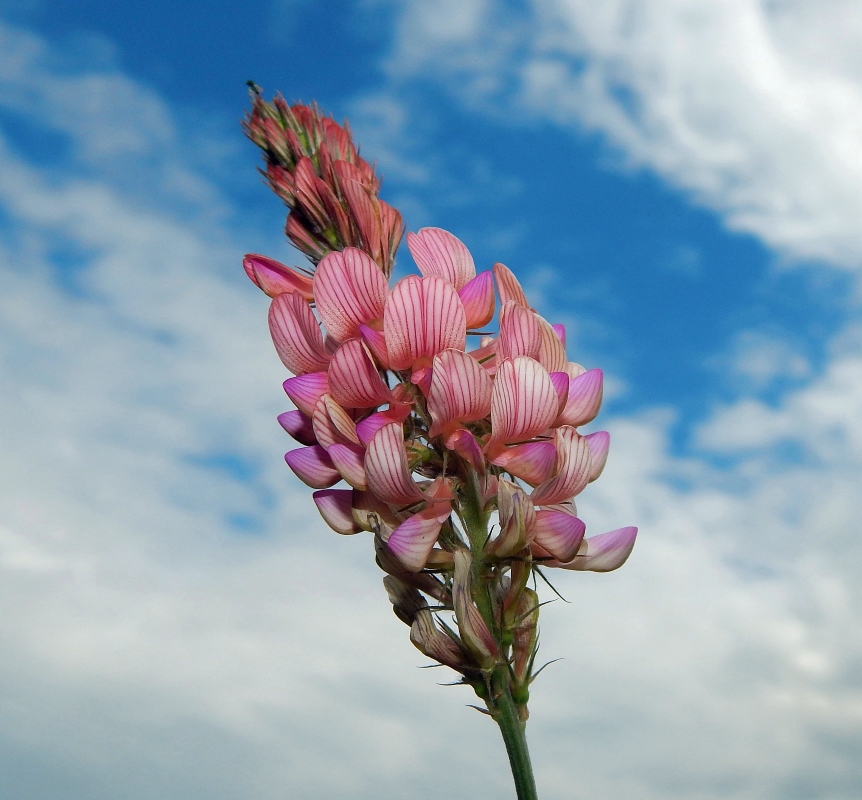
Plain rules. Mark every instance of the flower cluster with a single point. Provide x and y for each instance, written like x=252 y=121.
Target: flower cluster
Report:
x=435 y=441
x=313 y=165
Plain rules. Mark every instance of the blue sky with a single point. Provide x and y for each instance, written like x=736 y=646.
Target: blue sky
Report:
x=677 y=182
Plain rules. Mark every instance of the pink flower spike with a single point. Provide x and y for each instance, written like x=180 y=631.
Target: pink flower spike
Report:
x=605 y=552
x=386 y=468
x=336 y=508
x=348 y=460
x=561 y=386
x=599 y=442
x=353 y=378
x=520 y=334
x=306 y=390
x=572 y=469
x=349 y=290
x=465 y=445
x=552 y=352
x=275 y=278
x=523 y=401
x=298 y=426
x=460 y=390
x=296 y=334
x=438 y=252
x=585 y=399
x=376 y=342
x=422 y=317
x=478 y=299
x=313 y=467
x=532 y=462
x=412 y=540
x=559 y=534
x=508 y=286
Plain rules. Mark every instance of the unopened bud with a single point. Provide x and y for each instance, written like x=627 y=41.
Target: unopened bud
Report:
x=474 y=631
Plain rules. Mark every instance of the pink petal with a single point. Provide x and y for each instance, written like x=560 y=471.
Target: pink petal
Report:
x=572 y=469
x=348 y=460
x=478 y=299
x=520 y=334
x=585 y=398
x=560 y=330
x=558 y=533
x=422 y=317
x=552 y=352
x=599 y=442
x=460 y=390
x=332 y=424
x=523 y=402
x=296 y=334
x=465 y=445
x=353 y=378
x=517 y=519
x=561 y=386
x=508 y=287
x=422 y=374
x=363 y=211
x=336 y=508
x=573 y=369
x=532 y=462
x=412 y=540
x=397 y=412
x=438 y=252
x=313 y=467
x=605 y=552
x=349 y=290
x=275 y=278
x=386 y=467
x=298 y=426
x=376 y=342
x=306 y=390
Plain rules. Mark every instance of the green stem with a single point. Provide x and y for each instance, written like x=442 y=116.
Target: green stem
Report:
x=515 y=738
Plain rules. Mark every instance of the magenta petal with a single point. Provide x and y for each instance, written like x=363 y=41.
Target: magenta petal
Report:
x=376 y=342
x=353 y=378
x=349 y=459
x=605 y=552
x=349 y=290
x=532 y=462
x=438 y=252
x=412 y=540
x=298 y=426
x=572 y=468
x=336 y=508
x=523 y=402
x=422 y=317
x=275 y=278
x=561 y=386
x=465 y=445
x=599 y=443
x=478 y=299
x=560 y=534
x=560 y=330
x=313 y=467
x=585 y=399
x=306 y=390
x=296 y=334
x=386 y=468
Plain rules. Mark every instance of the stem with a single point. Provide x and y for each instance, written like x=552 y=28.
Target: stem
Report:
x=515 y=738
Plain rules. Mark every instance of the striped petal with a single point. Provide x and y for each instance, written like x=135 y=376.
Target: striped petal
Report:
x=605 y=552
x=508 y=286
x=558 y=533
x=438 y=252
x=561 y=386
x=332 y=424
x=523 y=402
x=397 y=412
x=517 y=519
x=336 y=508
x=353 y=378
x=532 y=462
x=349 y=291
x=376 y=342
x=422 y=317
x=460 y=390
x=296 y=334
x=305 y=390
x=412 y=540
x=348 y=460
x=552 y=351
x=572 y=469
x=465 y=445
x=298 y=426
x=599 y=443
x=520 y=334
x=313 y=467
x=584 y=400
x=386 y=468
x=560 y=330
x=478 y=299
x=275 y=278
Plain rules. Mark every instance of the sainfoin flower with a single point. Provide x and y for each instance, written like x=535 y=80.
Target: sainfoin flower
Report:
x=420 y=427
